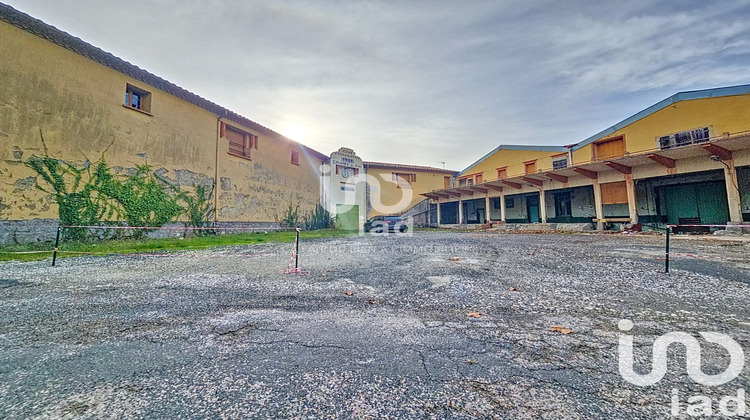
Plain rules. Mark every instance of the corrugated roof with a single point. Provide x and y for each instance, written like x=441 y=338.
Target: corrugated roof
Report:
x=408 y=167
x=677 y=97
x=50 y=33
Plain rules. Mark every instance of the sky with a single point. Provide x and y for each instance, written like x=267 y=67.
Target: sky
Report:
x=431 y=83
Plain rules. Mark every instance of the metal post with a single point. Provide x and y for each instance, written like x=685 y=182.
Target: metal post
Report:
x=57 y=242
x=666 y=253
x=296 y=250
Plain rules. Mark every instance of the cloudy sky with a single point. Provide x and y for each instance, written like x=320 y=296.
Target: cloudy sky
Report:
x=423 y=82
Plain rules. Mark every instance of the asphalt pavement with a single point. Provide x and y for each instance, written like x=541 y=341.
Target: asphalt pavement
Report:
x=434 y=325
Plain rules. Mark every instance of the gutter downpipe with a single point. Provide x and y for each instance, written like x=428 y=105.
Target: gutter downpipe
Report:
x=216 y=169
x=570 y=155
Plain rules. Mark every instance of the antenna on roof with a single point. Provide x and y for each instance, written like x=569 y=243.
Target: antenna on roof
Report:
x=443 y=164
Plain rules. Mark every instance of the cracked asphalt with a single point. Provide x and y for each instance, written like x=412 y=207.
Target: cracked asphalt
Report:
x=377 y=329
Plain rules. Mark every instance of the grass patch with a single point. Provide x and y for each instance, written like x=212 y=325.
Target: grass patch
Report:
x=135 y=246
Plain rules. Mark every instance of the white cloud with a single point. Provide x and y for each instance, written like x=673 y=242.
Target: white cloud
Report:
x=435 y=81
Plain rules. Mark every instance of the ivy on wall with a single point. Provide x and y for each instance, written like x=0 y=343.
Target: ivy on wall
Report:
x=92 y=195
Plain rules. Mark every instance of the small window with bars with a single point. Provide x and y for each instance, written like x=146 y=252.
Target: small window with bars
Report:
x=295 y=157
x=560 y=163
x=684 y=138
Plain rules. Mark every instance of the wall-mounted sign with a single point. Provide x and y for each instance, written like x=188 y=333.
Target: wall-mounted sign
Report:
x=346 y=161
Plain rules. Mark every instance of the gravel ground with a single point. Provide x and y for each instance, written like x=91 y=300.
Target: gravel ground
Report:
x=377 y=329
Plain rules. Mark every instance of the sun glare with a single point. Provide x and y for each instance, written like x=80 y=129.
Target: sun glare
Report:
x=295 y=132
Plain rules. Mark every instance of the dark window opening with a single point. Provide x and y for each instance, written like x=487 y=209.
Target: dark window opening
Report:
x=563 y=207
x=560 y=163
x=137 y=98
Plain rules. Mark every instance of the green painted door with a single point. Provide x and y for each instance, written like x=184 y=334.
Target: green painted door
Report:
x=708 y=202
x=712 y=204
x=680 y=203
x=532 y=208
x=347 y=217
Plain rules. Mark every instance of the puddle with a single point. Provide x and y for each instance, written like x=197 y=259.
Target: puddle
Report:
x=439 y=281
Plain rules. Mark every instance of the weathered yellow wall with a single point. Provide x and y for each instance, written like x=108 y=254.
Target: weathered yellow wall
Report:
x=514 y=160
x=266 y=185
x=725 y=114
x=77 y=104
x=391 y=194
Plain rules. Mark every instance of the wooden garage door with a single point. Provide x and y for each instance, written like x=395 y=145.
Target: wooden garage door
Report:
x=614 y=193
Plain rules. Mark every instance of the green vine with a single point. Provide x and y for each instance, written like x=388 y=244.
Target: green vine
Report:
x=140 y=199
x=318 y=218
x=290 y=218
x=97 y=197
x=72 y=188
x=198 y=208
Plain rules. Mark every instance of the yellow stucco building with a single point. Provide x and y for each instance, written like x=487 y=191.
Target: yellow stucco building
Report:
x=684 y=160
x=85 y=103
x=395 y=188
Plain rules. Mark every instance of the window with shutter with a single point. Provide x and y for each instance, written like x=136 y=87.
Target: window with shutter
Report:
x=404 y=180
x=240 y=142
x=610 y=148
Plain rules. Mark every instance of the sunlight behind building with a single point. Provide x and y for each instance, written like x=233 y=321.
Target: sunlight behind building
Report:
x=295 y=132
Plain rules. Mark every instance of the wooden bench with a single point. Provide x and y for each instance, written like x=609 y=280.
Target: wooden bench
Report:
x=612 y=220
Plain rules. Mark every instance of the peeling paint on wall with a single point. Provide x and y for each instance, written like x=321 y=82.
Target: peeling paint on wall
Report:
x=24 y=184
x=261 y=174
x=226 y=183
x=240 y=203
x=77 y=105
